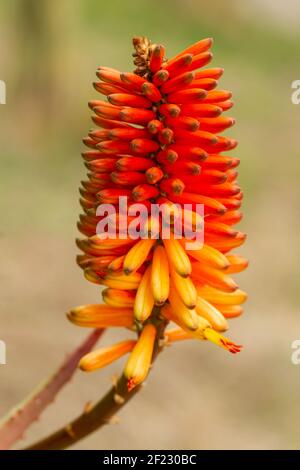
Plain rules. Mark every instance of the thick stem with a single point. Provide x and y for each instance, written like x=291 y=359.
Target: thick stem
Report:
x=13 y=426
x=102 y=412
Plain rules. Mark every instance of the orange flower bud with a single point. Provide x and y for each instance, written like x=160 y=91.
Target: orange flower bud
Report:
x=101 y=316
x=138 y=364
x=105 y=356
x=156 y=58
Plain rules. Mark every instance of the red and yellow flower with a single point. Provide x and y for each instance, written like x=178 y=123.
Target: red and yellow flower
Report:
x=158 y=139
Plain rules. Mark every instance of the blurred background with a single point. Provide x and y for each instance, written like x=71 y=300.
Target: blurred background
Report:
x=197 y=396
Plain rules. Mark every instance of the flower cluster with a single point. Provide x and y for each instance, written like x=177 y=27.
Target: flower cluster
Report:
x=158 y=140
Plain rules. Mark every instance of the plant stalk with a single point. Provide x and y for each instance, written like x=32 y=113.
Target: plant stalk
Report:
x=103 y=411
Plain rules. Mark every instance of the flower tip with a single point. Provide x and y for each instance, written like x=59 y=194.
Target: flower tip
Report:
x=70 y=316
x=235 y=349
x=218 y=339
x=131 y=384
x=222 y=210
x=83 y=366
x=230 y=346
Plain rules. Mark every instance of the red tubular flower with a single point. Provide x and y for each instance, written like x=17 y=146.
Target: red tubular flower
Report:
x=158 y=140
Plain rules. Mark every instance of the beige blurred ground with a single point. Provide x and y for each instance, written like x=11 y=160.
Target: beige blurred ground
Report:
x=197 y=395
